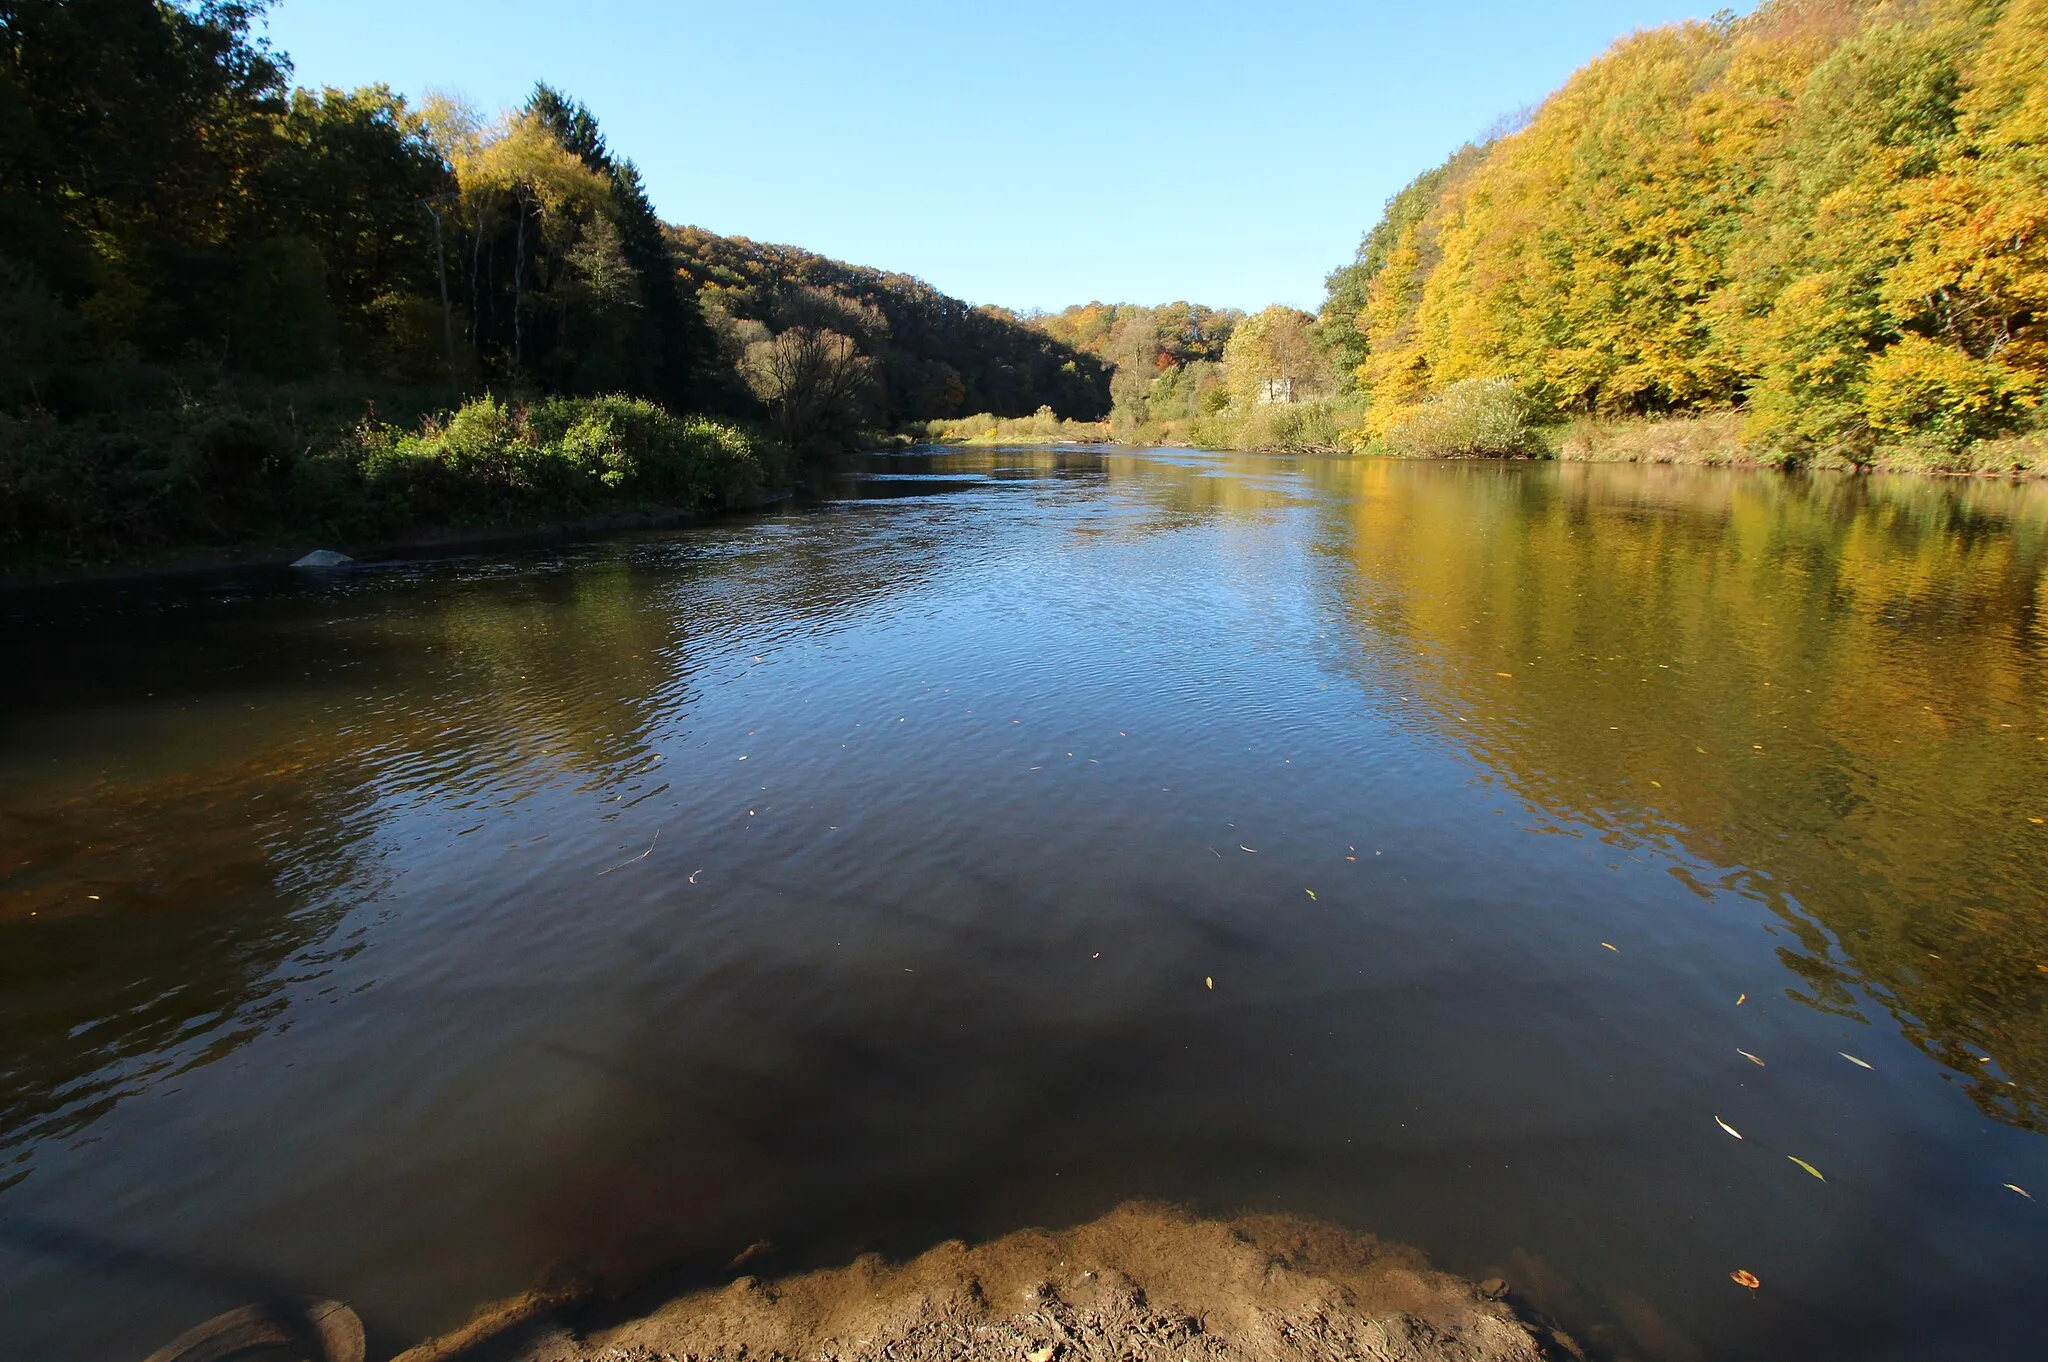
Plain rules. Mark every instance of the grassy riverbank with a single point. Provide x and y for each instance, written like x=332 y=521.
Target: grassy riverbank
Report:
x=1306 y=426
x=205 y=470
x=1718 y=440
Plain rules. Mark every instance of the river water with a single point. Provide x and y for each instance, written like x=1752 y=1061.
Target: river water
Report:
x=1015 y=832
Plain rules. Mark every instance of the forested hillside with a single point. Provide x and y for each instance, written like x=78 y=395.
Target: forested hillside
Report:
x=218 y=292
x=937 y=355
x=1830 y=216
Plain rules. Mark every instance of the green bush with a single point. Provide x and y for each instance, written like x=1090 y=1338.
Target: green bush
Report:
x=1475 y=418
x=568 y=453
x=218 y=470
x=1278 y=425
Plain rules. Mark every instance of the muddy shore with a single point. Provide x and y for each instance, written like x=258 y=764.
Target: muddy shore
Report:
x=1143 y=1282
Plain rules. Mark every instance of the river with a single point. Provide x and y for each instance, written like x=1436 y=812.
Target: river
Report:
x=1459 y=852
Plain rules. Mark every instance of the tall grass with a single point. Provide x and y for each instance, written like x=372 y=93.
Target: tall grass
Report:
x=1041 y=427
x=1473 y=419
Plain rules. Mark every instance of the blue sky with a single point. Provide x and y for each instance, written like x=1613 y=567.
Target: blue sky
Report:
x=1029 y=154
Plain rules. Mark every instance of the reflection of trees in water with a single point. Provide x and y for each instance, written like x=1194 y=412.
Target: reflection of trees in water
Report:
x=1836 y=684
x=207 y=882
x=225 y=858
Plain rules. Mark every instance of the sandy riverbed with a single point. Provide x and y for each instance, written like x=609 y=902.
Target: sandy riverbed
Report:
x=1143 y=1282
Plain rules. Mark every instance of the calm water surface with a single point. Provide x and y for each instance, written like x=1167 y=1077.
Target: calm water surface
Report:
x=852 y=879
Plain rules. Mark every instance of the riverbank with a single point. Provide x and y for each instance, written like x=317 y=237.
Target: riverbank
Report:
x=1716 y=440
x=1142 y=1281
x=221 y=484
x=427 y=543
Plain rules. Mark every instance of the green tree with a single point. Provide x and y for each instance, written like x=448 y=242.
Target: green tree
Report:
x=356 y=175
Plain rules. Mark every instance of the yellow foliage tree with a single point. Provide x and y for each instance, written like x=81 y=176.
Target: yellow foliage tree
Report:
x=1832 y=212
x=1276 y=344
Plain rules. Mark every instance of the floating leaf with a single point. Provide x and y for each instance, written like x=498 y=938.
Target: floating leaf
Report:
x=1744 y=1277
x=1208 y=981
x=1807 y=1166
x=1510 y=676
x=1725 y=1126
x=2015 y=1187
x=1750 y=1057
x=1310 y=892
x=1615 y=949
x=1861 y=1064
x=1741 y=998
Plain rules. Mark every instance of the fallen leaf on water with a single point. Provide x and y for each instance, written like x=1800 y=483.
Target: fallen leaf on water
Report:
x=1744 y=1277
x=1310 y=892
x=1859 y=1063
x=2038 y=820
x=1242 y=847
x=1208 y=981
x=1741 y=998
x=1725 y=1126
x=2015 y=1187
x=1751 y=1058
x=1511 y=675
x=1807 y=1166
x=1615 y=949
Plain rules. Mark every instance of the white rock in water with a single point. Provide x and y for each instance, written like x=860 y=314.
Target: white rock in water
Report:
x=324 y=558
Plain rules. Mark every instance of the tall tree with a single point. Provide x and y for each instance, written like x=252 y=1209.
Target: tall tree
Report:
x=677 y=341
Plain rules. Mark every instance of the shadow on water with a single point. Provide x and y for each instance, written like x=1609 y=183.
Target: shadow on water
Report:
x=1012 y=833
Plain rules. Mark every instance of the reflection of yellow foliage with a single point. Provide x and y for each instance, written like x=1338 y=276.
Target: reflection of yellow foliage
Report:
x=1813 y=673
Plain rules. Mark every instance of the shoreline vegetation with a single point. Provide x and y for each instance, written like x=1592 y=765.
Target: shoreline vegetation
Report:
x=1142 y=1280
x=235 y=312
x=1814 y=236
x=1710 y=441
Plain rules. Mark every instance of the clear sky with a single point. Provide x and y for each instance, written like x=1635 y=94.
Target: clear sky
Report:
x=1030 y=154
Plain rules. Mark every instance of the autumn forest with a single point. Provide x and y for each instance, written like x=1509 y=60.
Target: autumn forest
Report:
x=234 y=309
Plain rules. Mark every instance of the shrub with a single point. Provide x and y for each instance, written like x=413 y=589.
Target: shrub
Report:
x=1474 y=418
x=564 y=455
x=1920 y=389
x=260 y=466
x=1281 y=425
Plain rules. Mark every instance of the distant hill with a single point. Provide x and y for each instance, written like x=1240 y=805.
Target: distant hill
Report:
x=939 y=356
